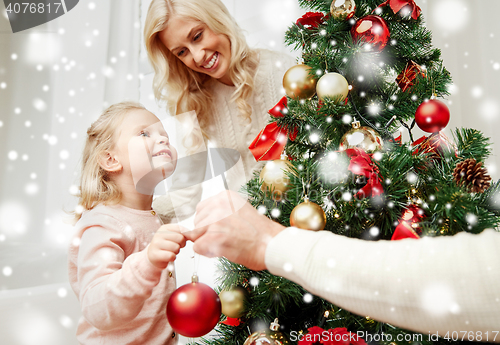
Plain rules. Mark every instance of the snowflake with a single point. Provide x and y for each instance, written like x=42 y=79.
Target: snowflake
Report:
x=275 y=213
x=31 y=188
x=7 y=271
x=308 y=298
x=412 y=178
x=314 y=138
x=64 y=154
x=331 y=263
x=450 y=15
x=471 y=219
x=374 y=108
x=346 y=196
x=12 y=155
x=438 y=300
x=79 y=209
x=489 y=109
x=254 y=281
x=262 y=209
x=39 y=104
x=347 y=119
x=66 y=321
x=374 y=231
x=62 y=292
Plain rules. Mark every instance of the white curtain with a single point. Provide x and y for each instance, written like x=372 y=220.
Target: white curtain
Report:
x=55 y=79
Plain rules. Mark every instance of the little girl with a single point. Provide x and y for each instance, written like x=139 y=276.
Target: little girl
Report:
x=118 y=257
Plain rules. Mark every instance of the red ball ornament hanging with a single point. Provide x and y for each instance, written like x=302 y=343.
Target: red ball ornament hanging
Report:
x=432 y=116
x=371 y=30
x=194 y=309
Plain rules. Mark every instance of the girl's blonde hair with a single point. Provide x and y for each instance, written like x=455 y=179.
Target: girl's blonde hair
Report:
x=96 y=186
x=182 y=88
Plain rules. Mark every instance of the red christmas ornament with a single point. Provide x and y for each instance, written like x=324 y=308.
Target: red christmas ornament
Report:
x=231 y=321
x=432 y=116
x=408 y=226
x=372 y=30
x=404 y=230
x=361 y=164
x=194 y=309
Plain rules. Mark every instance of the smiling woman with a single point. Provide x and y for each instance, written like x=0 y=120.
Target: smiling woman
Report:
x=198 y=47
x=203 y=64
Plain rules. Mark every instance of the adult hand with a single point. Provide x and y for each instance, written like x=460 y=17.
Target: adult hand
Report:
x=226 y=225
x=166 y=244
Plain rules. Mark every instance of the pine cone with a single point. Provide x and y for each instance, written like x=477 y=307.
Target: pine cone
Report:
x=472 y=175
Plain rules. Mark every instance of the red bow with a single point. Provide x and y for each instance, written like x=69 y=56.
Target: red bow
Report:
x=271 y=141
x=311 y=19
x=361 y=164
x=397 y=5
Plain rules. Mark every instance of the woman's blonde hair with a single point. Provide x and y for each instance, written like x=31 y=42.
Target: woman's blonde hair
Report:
x=96 y=186
x=182 y=88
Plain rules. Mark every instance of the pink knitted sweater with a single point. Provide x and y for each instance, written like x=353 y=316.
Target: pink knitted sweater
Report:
x=122 y=295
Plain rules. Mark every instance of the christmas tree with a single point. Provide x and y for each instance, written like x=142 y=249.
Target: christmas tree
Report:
x=368 y=68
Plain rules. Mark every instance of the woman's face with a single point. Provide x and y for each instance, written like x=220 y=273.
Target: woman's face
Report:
x=198 y=47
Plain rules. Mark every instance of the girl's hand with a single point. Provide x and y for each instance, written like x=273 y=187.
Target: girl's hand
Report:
x=166 y=244
x=227 y=225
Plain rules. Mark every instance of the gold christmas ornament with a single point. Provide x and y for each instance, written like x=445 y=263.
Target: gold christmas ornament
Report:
x=233 y=301
x=362 y=137
x=308 y=216
x=271 y=337
x=298 y=83
x=342 y=9
x=274 y=178
x=332 y=85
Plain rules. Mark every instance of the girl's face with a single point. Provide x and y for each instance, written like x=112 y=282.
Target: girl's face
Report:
x=143 y=148
x=198 y=47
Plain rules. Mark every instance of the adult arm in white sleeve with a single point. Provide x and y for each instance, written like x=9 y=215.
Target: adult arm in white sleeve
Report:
x=428 y=285
x=114 y=286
